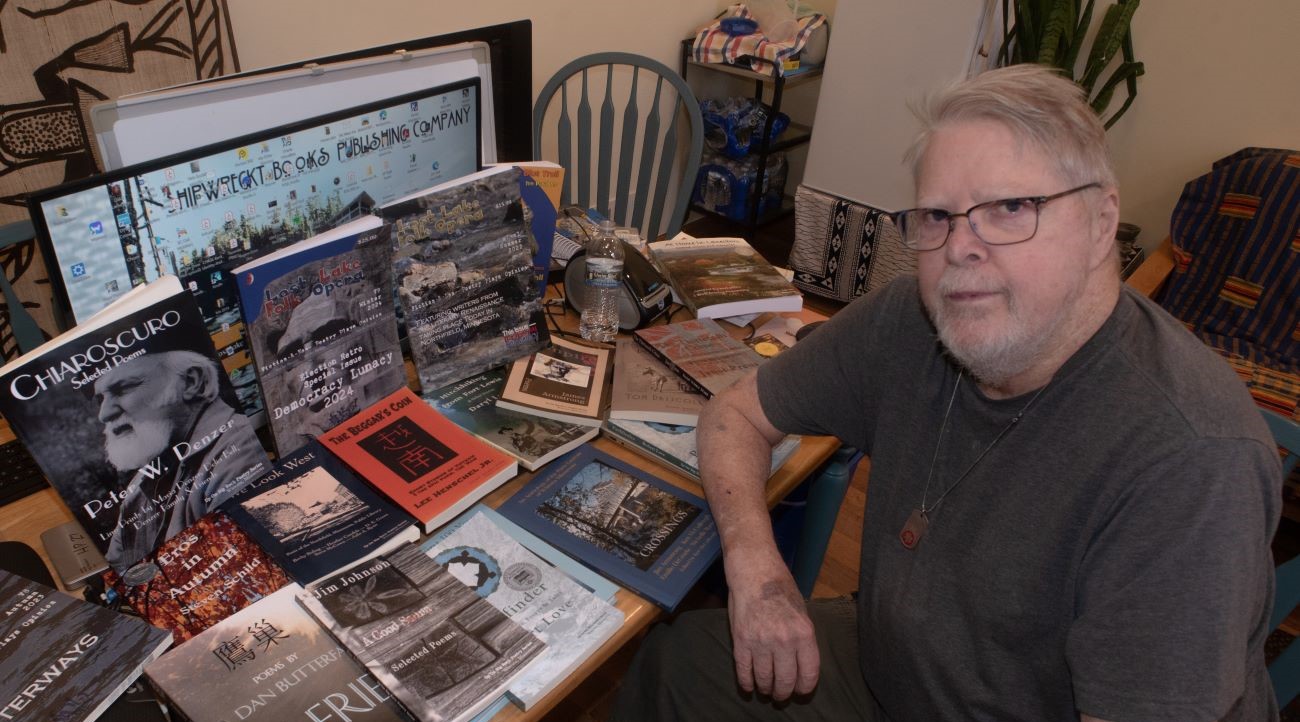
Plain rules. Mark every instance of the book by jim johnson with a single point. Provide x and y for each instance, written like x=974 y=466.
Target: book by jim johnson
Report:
x=441 y=649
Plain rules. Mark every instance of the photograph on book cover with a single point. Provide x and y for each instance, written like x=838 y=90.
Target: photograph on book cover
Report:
x=299 y=508
x=441 y=649
x=619 y=513
x=136 y=426
x=561 y=374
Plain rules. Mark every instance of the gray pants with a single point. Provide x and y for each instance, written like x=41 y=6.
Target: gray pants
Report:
x=684 y=671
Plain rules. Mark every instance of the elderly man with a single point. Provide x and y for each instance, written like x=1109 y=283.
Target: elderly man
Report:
x=164 y=420
x=1071 y=498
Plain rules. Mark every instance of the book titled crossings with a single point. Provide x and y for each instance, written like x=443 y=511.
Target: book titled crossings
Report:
x=625 y=522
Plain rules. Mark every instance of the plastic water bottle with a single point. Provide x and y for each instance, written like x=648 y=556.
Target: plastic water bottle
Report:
x=604 y=277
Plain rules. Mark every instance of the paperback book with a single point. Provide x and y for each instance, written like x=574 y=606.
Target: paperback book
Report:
x=700 y=352
x=722 y=277
x=65 y=659
x=443 y=651
x=464 y=274
x=673 y=445
x=646 y=390
x=271 y=662
x=424 y=463
x=313 y=515
x=584 y=576
x=624 y=522
x=564 y=381
x=571 y=620
x=134 y=422
x=533 y=440
x=209 y=571
x=540 y=185
x=321 y=325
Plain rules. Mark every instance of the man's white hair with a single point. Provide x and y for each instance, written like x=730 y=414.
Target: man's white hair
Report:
x=178 y=363
x=1038 y=104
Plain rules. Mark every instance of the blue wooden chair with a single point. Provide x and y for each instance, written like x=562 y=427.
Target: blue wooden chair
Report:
x=1285 y=670
x=646 y=100
x=26 y=332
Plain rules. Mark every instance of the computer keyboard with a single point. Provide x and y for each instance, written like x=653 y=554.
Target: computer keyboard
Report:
x=19 y=474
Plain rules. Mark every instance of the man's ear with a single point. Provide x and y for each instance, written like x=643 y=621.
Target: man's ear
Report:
x=194 y=384
x=1105 y=223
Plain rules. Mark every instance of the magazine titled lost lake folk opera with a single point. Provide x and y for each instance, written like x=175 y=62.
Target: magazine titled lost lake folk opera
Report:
x=134 y=422
x=322 y=329
x=625 y=522
x=441 y=649
x=271 y=662
x=464 y=274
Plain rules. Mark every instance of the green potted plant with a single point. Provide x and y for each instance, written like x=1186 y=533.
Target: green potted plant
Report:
x=1056 y=33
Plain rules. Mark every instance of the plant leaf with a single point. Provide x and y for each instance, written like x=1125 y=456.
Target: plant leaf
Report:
x=1125 y=73
x=1076 y=43
x=1049 y=45
x=1114 y=26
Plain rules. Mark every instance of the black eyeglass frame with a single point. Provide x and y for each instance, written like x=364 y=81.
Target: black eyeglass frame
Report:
x=1036 y=201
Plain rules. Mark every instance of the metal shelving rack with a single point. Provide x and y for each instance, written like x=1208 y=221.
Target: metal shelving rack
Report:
x=796 y=134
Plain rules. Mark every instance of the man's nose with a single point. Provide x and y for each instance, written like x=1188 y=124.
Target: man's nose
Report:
x=964 y=245
x=109 y=410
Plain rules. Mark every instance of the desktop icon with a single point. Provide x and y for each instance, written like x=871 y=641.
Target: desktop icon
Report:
x=383 y=115
x=96 y=228
x=415 y=105
x=78 y=270
x=111 y=286
x=243 y=153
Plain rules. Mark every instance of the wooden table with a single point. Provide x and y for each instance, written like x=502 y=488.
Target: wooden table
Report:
x=25 y=519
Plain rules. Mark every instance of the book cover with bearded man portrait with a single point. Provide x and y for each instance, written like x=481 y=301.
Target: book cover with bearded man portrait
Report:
x=134 y=422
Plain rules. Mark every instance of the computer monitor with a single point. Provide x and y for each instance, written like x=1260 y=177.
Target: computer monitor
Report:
x=200 y=213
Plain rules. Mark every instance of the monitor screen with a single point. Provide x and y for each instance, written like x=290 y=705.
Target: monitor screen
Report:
x=200 y=213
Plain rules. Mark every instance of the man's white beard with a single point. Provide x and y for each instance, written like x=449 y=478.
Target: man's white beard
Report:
x=143 y=443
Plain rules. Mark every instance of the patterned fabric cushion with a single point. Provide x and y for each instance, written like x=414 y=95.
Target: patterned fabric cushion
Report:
x=844 y=249
x=1236 y=278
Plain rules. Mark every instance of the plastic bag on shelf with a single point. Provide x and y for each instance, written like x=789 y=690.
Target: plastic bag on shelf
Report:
x=723 y=185
x=733 y=126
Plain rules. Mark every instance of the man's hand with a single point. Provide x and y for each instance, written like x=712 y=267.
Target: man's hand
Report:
x=773 y=643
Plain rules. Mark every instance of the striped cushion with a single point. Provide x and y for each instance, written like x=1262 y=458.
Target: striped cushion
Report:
x=1236 y=278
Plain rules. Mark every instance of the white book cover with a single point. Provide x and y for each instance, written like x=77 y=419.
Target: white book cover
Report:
x=571 y=620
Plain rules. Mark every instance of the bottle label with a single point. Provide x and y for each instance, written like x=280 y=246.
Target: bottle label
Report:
x=604 y=273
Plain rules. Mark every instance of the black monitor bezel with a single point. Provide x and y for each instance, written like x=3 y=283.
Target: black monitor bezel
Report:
x=62 y=302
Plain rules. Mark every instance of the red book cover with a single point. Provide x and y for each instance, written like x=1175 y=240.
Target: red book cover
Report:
x=426 y=464
x=205 y=573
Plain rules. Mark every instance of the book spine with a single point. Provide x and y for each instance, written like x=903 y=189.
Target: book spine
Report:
x=675 y=368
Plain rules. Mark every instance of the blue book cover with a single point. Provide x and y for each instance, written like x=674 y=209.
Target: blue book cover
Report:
x=624 y=522
x=542 y=217
x=322 y=329
x=313 y=515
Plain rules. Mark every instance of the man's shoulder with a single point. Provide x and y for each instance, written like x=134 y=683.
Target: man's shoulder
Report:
x=1178 y=376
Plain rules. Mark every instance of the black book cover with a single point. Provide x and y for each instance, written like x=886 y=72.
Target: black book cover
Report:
x=65 y=659
x=134 y=421
x=313 y=515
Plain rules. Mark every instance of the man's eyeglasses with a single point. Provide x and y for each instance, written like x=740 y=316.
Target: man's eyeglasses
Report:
x=997 y=223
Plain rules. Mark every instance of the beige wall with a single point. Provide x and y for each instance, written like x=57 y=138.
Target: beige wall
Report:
x=269 y=32
x=1220 y=76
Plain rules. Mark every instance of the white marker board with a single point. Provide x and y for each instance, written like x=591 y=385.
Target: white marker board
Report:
x=146 y=126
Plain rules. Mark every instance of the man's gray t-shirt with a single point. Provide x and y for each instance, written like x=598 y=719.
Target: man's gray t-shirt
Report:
x=1109 y=555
